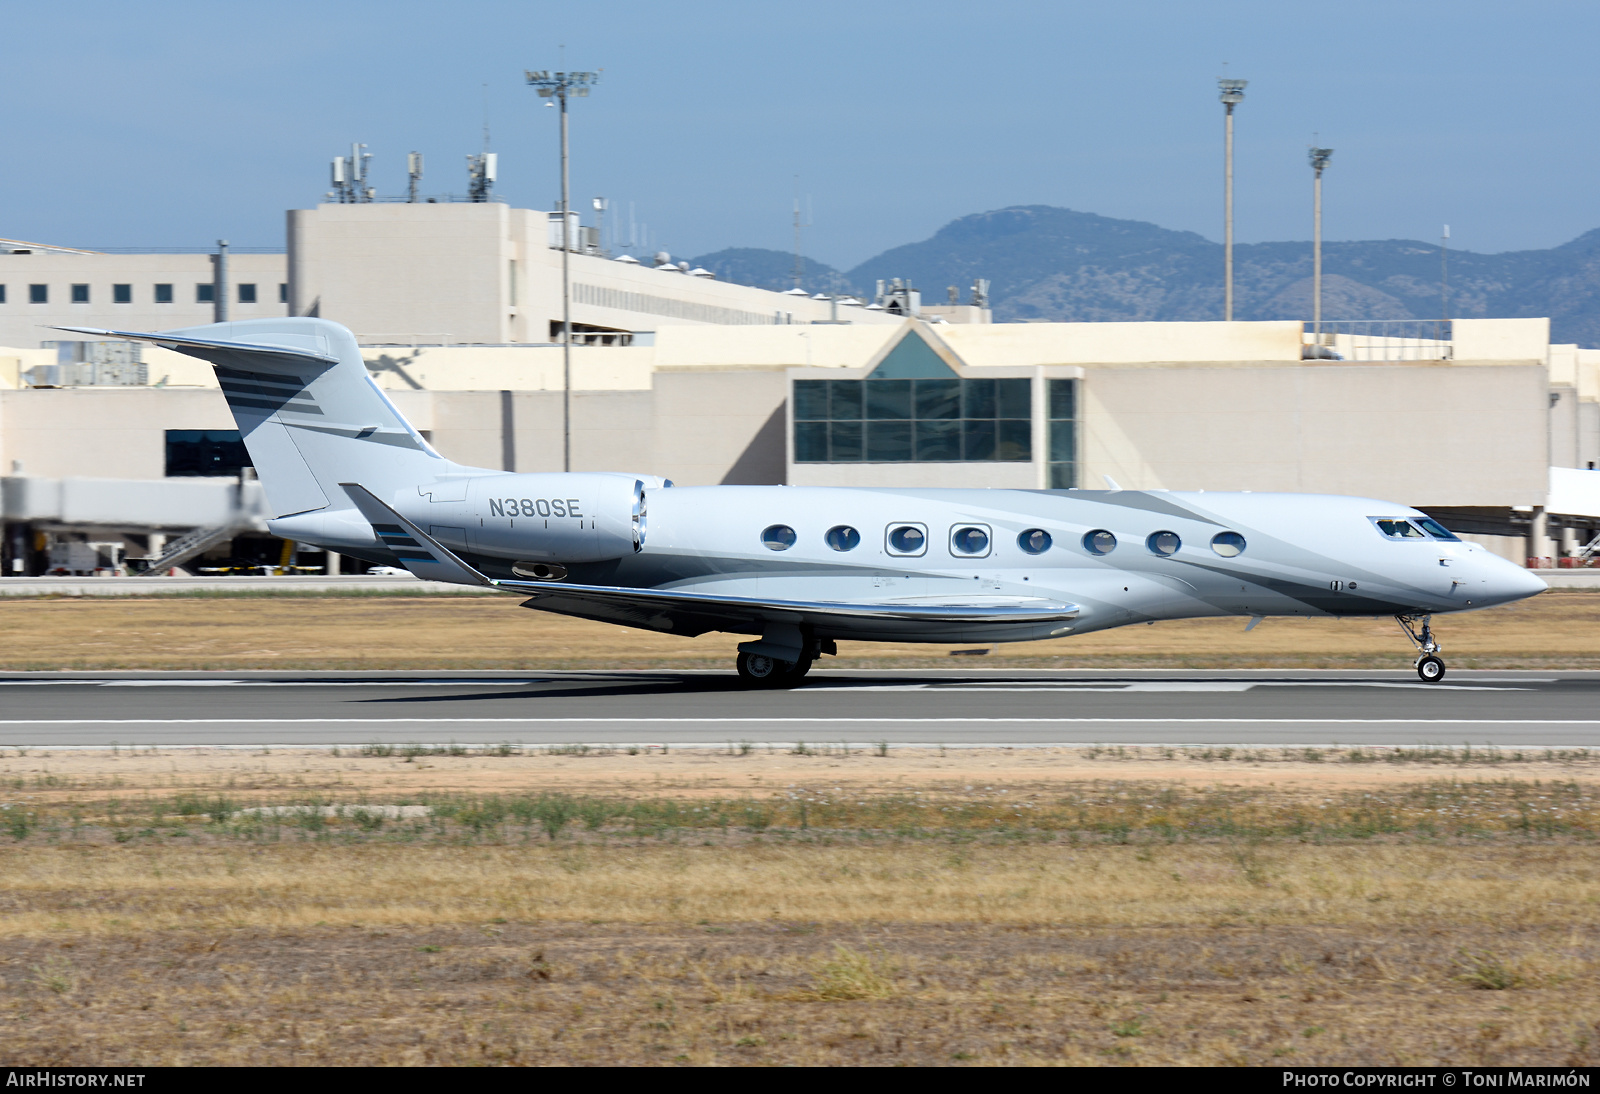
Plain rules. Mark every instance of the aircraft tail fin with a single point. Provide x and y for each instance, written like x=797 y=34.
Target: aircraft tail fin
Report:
x=308 y=412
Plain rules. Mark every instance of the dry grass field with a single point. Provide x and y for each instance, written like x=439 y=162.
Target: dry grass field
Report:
x=507 y=906
x=1072 y=906
x=1558 y=629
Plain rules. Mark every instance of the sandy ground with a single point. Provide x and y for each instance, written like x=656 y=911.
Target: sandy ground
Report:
x=1557 y=629
x=61 y=776
x=798 y=993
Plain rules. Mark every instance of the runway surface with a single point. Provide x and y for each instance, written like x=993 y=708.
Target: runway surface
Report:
x=960 y=706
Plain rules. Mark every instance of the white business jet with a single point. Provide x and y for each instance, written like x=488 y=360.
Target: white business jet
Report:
x=800 y=568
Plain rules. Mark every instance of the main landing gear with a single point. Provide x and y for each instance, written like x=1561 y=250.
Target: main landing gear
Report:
x=759 y=670
x=1430 y=666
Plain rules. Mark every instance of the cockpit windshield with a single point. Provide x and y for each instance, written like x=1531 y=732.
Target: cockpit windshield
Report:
x=1418 y=528
x=1437 y=530
x=1398 y=529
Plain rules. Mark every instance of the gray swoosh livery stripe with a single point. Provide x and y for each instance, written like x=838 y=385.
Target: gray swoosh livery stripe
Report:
x=1313 y=596
x=264 y=404
x=1137 y=499
x=394 y=440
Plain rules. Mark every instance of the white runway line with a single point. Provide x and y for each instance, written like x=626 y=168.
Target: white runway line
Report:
x=765 y=720
x=724 y=745
x=272 y=683
x=1156 y=686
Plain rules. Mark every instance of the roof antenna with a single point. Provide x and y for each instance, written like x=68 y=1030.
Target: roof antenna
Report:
x=799 y=263
x=483 y=168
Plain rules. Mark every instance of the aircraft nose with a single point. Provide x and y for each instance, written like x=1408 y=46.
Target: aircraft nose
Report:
x=1506 y=581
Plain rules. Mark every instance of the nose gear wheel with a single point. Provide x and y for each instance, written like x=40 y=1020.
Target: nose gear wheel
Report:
x=1429 y=665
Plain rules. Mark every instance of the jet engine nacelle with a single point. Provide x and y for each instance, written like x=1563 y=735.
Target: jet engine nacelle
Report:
x=580 y=517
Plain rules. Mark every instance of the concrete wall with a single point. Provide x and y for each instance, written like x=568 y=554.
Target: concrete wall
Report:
x=707 y=405
x=1123 y=343
x=26 y=325
x=485 y=273
x=101 y=432
x=1422 y=434
x=1014 y=476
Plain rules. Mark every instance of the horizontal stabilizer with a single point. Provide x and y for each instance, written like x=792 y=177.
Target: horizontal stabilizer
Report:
x=160 y=339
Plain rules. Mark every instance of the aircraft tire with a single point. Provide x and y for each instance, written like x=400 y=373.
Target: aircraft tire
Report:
x=1430 y=668
x=797 y=672
x=759 y=670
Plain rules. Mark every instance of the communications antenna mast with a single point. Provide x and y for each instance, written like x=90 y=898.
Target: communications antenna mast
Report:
x=1444 y=275
x=413 y=174
x=481 y=173
x=350 y=176
x=799 y=262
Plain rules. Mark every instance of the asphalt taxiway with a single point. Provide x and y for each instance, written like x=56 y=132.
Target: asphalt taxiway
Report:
x=959 y=706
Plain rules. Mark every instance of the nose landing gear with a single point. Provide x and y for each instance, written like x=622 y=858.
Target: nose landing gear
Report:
x=1430 y=666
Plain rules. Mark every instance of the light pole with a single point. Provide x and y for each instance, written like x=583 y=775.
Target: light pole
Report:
x=1232 y=94
x=219 y=285
x=559 y=86
x=1319 y=161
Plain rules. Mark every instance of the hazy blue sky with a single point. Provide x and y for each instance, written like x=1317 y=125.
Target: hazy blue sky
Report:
x=163 y=123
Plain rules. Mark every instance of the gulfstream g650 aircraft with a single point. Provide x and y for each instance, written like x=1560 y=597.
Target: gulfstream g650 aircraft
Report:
x=800 y=568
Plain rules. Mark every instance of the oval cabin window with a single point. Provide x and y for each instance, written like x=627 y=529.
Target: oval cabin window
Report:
x=1228 y=544
x=842 y=537
x=1165 y=544
x=778 y=537
x=1035 y=541
x=1099 y=542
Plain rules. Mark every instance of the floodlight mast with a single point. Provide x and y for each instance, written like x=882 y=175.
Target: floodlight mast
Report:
x=1232 y=94
x=1319 y=162
x=559 y=86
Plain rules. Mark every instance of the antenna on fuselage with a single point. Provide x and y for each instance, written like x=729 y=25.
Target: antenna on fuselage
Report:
x=1111 y=483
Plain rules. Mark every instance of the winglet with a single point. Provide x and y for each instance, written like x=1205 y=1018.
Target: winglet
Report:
x=417 y=551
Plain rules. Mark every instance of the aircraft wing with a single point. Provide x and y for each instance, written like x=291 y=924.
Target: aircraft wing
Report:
x=433 y=561
x=563 y=597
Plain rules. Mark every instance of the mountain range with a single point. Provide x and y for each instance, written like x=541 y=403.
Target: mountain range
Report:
x=1051 y=264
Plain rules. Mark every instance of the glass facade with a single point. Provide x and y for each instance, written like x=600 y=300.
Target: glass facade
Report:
x=205 y=452
x=1062 y=396
x=913 y=421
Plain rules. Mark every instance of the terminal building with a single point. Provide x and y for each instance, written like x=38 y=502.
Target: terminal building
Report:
x=119 y=456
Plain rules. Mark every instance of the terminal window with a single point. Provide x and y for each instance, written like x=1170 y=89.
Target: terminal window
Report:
x=163 y=294
x=2 y=294
x=921 y=420
x=38 y=294
x=247 y=294
x=80 y=294
x=205 y=294
x=122 y=294
x=213 y=452
x=283 y=292
x=1063 y=400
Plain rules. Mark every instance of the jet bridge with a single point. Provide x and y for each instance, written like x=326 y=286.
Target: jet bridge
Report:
x=84 y=524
